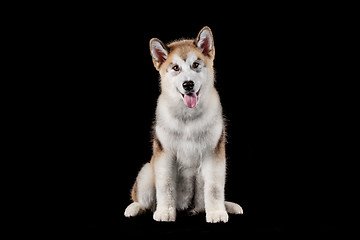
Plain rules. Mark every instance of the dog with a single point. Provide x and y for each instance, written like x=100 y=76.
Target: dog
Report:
x=188 y=166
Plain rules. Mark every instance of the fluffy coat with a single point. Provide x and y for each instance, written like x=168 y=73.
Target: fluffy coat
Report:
x=188 y=167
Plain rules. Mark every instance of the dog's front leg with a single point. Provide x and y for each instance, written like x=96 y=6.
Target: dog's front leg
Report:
x=165 y=180
x=214 y=186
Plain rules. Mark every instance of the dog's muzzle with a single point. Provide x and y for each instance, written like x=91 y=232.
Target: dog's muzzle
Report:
x=190 y=97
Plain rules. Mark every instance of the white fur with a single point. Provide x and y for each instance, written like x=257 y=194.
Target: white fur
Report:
x=187 y=168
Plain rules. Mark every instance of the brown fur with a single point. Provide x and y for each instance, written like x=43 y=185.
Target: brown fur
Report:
x=134 y=192
x=182 y=47
x=220 y=147
x=157 y=147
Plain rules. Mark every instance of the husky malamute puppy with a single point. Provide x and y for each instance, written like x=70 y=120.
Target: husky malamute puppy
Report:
x=187 y=168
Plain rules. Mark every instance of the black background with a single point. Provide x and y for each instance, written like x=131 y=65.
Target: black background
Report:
x=277 y=83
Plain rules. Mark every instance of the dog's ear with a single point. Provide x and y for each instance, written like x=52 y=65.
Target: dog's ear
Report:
x=159 y=52
x=205 y=42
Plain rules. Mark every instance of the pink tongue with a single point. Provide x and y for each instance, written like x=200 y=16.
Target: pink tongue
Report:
x=190 y=100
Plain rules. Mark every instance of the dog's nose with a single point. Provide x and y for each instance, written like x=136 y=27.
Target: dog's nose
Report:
x=188 y=85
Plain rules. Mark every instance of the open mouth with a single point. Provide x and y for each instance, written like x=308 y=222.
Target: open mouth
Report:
x=190 y=98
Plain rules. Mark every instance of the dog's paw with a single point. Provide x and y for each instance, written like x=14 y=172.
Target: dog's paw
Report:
x=217 y=216
x=233 y=208
x=165 y=215
x=133 y=210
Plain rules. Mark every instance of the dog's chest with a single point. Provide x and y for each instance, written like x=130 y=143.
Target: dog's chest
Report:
x=190 y=143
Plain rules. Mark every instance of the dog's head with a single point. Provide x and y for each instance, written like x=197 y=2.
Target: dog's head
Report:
x=185 y=66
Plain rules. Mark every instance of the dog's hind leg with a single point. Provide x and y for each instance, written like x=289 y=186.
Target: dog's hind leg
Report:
x=233 y=208
x=143 y=192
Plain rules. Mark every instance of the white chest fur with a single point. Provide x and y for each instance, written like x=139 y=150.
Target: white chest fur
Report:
x=189 y=141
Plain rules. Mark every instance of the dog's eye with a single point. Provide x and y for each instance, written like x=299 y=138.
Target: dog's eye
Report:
x=195 y=64
x=176 y=68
